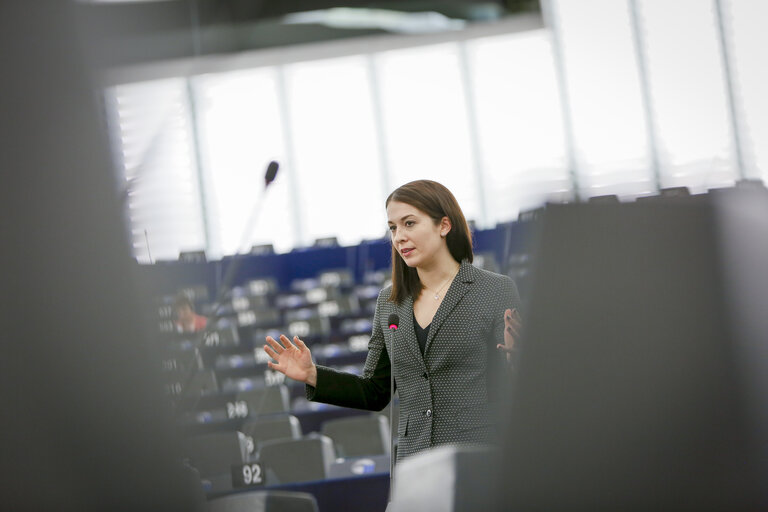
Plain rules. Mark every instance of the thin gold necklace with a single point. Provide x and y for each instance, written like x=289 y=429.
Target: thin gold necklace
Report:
x=437 y=293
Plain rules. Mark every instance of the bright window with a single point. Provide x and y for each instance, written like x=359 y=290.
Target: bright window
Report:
x=426 y=126
x=336 y=150
x=240 y=131
x=688 y=95
x=520 y=128
x=611 y=147
x=745 y=25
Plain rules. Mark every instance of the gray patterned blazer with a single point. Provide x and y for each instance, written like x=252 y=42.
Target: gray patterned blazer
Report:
x=446 y=396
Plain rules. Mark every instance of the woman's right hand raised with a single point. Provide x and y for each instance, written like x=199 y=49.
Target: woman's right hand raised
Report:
x=294 y=360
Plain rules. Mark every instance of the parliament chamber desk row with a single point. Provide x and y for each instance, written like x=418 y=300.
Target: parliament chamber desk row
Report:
x=366 y=493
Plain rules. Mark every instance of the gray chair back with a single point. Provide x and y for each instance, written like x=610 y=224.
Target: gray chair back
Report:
x=267 y=400
x=357 y=436
x=264 y=501
x=296 y=460
x=214 y=454
x=260 y=430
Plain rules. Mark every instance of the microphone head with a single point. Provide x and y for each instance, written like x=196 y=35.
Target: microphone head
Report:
x=393 y=321
x=272 y=168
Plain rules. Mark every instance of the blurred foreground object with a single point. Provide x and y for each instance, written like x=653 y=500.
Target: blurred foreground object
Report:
x=643 y=382
x=256 y=501
x=84 y=424
x=447 y=478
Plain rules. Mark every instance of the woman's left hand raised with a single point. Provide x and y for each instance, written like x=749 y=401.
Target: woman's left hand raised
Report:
x=512 y=328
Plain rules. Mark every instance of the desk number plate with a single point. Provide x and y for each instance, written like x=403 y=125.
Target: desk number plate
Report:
x=247 y=475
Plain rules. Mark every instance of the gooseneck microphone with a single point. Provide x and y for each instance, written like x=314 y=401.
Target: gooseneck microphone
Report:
x=269 y=177
x=226 y=282
x=393 y=322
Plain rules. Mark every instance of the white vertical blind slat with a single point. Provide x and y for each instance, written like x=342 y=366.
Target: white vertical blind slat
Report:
x=156 y=157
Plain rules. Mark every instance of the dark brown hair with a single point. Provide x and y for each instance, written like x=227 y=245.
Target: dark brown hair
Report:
x=437 y=202
x=181 y=300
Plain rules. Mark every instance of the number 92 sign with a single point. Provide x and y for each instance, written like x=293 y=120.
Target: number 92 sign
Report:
x=247 y=475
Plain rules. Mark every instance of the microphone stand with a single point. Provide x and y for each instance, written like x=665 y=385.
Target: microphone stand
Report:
x=393 y=322
x=391 y=415
x=223 y=289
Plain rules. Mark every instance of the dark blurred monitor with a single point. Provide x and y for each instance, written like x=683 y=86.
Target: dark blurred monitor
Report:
x=261 y=249
x=192 y=257
x=329 y=241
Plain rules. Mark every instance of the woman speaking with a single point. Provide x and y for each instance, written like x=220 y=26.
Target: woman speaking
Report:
x=455 y=331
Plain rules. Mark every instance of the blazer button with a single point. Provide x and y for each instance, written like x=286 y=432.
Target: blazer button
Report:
x=429 y=413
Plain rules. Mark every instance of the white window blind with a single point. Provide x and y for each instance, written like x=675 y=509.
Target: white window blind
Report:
x=155 y=151
x=481 y=115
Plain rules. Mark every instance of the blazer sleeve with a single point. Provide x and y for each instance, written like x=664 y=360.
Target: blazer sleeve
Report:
x=369 y=391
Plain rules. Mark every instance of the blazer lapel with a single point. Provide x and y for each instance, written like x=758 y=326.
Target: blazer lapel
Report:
x=407 y=334
x=456 y=291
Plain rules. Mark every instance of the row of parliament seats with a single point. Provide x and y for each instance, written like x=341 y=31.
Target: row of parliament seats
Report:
x=331 y=313
x=255 y=501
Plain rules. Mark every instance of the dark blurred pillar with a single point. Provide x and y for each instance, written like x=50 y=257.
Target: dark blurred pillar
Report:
x=82 y=417
x=643 y=377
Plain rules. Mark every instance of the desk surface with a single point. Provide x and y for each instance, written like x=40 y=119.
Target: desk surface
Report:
x=365 y=493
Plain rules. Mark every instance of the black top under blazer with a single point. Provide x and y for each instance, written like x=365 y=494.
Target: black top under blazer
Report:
x=446 y=395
